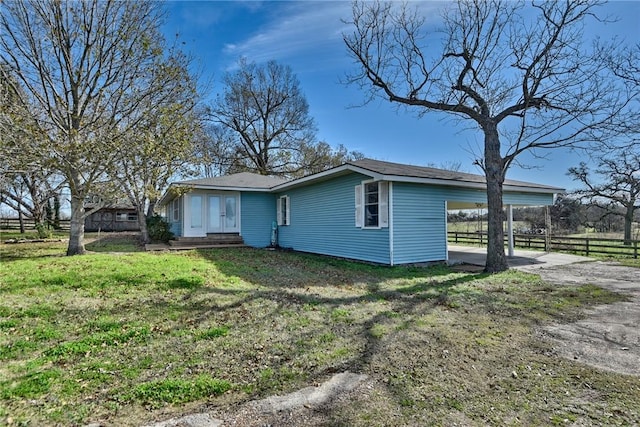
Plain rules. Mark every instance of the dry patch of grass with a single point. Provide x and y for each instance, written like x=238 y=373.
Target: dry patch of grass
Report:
x=128 y=338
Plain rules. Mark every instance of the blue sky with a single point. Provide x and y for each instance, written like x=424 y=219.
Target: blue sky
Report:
x=307 y=36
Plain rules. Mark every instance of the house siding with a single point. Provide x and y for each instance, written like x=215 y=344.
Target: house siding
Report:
x=258 y=212
x=419 y=217
x=419 y=223
x=322 y=221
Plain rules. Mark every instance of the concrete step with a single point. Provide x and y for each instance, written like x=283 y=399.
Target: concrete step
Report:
x=211 y=240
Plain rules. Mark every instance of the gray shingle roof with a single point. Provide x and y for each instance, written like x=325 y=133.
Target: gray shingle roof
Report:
x=402 y=170
x=237 y=180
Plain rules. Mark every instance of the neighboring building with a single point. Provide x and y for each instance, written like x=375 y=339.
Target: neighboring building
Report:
x=367 y=210
x=117 y=217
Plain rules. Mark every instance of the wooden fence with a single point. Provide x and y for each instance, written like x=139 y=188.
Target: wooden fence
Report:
x=578 y=245
x=29 y=224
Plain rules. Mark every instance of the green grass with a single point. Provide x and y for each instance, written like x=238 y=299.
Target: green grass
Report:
x=126 y=338
x=30 y=234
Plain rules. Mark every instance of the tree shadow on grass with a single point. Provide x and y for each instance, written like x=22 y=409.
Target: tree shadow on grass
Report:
x=336 y=288
x=114 y=242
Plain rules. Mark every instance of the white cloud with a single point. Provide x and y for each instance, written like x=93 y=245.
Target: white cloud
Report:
x=294 y=28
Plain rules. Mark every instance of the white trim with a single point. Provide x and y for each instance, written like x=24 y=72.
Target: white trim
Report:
x=318 y=176
x=358 y=206
x=390 y=206
x=219 y=187
x=364 y=205
x=176 y=208
x=283 y=218
x=467 y=184
x=446 y=232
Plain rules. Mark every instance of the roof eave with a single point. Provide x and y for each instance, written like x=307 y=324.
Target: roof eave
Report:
x=469 y=184
x=338 y=170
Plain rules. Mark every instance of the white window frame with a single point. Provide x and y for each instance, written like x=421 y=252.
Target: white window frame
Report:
x=383 y=205
x=126 y=216
x=284 y=215
x=175 y=209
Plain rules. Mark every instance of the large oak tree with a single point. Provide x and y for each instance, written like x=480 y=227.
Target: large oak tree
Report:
x=263 y=110
x=522 y=74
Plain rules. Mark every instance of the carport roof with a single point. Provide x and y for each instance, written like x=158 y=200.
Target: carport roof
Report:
x=409 y=171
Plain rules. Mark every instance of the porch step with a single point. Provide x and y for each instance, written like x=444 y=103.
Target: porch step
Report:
x=212 y=240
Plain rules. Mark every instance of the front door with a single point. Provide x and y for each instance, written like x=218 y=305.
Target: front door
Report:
x=222 y=214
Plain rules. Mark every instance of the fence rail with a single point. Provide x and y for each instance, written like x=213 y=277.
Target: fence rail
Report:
x=14 y=224
x=578 y=245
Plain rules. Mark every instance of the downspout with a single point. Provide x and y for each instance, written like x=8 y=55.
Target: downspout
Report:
x=390 y=207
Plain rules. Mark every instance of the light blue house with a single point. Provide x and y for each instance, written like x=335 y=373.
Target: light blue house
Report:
x=367 y=210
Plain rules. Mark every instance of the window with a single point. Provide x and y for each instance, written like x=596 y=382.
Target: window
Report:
x=176 y=210
x=196 y=211
x=126 y=216
x=284 y=211
x=372 y=204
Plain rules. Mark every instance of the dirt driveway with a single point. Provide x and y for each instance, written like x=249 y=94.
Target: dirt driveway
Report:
x=609 y=337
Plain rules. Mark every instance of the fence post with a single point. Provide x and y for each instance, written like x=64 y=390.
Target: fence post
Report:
x=587 y=245
x=635 y=249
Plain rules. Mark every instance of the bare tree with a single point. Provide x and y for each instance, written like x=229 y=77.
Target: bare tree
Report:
x=268 y=115
x=81 y=65
x=215 y=151
x=518 y=73
x=160 y=141
x=616 y=180
x=315 y=158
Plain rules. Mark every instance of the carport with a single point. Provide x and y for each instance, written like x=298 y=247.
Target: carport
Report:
x=521 y=259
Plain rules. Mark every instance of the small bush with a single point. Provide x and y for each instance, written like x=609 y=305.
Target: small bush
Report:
x=159 y=229
x=43 y=231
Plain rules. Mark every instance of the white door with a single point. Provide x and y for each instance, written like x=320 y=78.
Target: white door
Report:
x=194 y=224
x=223 y=213
x=215 y=215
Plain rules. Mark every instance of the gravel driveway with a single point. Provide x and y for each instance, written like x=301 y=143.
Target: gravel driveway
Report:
x=609 y=337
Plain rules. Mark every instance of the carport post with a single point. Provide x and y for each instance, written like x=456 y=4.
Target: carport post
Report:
x=510 y=229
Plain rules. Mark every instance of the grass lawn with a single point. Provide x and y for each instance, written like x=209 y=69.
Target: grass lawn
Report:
x=130 y=337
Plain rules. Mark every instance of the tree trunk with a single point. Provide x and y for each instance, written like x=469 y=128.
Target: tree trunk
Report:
x=493 y=164
x=56 y=212
x=21 y=220
x=151 y=208
x=76 y=231
x=142 y=223
x=628 y=222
